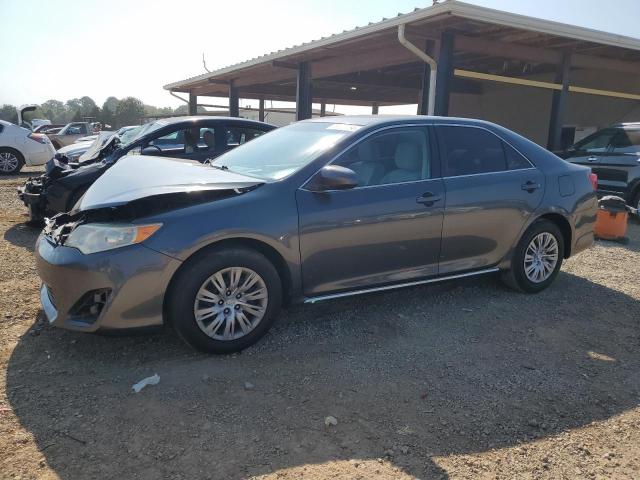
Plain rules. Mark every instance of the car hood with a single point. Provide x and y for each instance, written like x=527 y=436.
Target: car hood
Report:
x=75 y=148
x=135 y=177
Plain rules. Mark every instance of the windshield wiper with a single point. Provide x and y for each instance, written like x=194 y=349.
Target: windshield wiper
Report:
x=220 y=167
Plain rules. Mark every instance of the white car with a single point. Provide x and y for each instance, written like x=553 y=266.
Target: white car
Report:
x=19 y=147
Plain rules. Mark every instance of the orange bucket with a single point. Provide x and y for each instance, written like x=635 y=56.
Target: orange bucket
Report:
x=611 y=225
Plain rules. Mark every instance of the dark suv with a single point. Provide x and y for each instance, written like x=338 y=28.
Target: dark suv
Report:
x=614 y=155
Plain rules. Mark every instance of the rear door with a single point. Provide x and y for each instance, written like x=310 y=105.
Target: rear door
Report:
x=491 y=190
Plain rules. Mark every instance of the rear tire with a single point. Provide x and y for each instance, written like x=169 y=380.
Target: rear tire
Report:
x=228 y=319
x=11 y=161
x=533 y=269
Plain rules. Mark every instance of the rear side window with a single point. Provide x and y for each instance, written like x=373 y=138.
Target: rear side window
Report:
x=515 y=160
x=1 y=128
x=626 y=141
x=471 y=151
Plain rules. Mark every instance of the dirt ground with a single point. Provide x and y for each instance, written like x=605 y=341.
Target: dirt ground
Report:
x=462 y=380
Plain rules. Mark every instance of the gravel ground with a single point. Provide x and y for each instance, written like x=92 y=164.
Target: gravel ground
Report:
x=460 y=380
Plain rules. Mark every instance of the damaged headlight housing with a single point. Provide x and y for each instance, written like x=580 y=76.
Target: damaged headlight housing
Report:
x=98 y=237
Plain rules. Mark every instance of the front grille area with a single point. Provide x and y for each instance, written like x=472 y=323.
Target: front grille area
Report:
x=88 y=308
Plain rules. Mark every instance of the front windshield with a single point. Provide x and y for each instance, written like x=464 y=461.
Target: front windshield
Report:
x=146 y=129
x=285 y=150
x=129 y=134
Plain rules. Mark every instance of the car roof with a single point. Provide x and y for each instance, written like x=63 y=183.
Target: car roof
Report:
x=379 y=120
x=200 y=118
x=630 y=125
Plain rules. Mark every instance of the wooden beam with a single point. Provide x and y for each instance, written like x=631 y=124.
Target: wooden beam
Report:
x=604 y=93
x=261 y=110
x=503 y=79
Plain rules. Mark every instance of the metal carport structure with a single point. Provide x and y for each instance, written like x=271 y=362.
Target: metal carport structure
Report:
x=473 y=49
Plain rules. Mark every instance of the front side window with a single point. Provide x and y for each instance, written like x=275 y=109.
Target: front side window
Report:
x=626 y=141
x=471 y=151
x=598 y=142
x=285 y=150
x=395 y=156
x=187 y=140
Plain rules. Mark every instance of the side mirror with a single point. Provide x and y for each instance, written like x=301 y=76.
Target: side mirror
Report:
x=333 y=177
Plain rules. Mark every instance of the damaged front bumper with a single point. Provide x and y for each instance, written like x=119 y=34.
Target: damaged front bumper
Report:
x=33 y=196
x=32 y=192
x=116 y=289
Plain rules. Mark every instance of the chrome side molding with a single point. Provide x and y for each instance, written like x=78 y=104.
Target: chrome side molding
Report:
x=351 y=293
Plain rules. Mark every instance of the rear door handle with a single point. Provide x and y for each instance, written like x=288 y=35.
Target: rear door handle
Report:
x=530 y=186
x=592 y=159
x=428 y=198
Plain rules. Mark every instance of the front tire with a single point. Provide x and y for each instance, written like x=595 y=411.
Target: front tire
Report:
x=224 y=300
x=537 y=258
x=11 y=161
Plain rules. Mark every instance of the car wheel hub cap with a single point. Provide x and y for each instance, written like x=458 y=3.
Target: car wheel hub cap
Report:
x=541 y=257
x=8 y=162
x=231 y=303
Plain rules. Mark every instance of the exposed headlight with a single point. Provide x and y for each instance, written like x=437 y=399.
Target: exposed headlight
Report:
x=98 y=237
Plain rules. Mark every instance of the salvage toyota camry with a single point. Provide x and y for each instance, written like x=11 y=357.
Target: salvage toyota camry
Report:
x=317 y=210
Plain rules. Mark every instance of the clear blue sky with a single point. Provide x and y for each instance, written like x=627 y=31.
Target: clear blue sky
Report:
x=70 y=48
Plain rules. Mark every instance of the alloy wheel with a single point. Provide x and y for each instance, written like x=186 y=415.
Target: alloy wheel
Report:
x=231 y=303
x=8 y=162
x=541 y=257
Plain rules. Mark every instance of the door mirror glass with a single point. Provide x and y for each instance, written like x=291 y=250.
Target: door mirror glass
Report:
x=333 y=177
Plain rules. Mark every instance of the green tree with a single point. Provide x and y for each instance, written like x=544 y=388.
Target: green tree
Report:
x=129 y=112
x=87 y=106
x=77 y=117
x=184 y=110
x=8 y=113
x=55 y=111
x=110 y=104
x=108 y=112
x=73 y=105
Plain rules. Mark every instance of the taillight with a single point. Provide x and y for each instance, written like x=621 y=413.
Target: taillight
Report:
x=593 y=178
x=38 y=137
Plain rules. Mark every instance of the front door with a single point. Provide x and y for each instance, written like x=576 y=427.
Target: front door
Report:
x=491 y=192
x=385 y=230
x=618 y=168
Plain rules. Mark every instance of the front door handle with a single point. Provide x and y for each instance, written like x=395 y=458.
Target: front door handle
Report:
x=428 y=198
x=530 y=186
x=592 y=159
